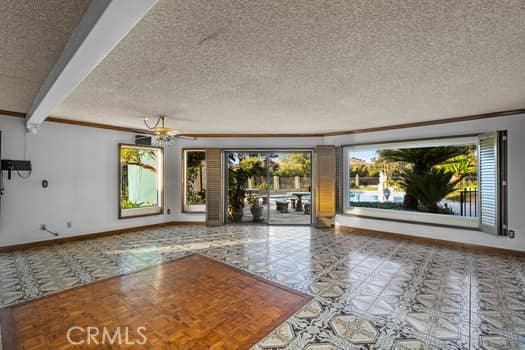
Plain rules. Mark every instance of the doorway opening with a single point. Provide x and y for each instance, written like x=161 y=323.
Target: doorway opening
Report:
x=268 y=187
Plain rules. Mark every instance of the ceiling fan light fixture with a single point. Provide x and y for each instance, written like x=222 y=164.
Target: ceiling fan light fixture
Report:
x=164 y=141
x=163 y=135
x=160 y=130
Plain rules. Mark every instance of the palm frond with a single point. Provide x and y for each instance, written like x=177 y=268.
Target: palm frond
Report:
x=429 y=188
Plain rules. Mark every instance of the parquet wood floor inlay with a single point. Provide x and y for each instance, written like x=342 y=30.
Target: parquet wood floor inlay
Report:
x=191 y=303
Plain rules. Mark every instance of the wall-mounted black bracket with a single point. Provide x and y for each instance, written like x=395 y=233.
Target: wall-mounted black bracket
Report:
x=143 y=140
x=16 y=165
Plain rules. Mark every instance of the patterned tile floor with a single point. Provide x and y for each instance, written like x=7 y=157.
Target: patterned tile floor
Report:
x=369 y=292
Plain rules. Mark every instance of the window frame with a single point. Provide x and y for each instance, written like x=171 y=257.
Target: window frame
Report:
x=188 y=208
x=129 y=213
x=408 y=216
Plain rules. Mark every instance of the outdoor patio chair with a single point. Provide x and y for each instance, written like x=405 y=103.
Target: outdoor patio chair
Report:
x=282 y=206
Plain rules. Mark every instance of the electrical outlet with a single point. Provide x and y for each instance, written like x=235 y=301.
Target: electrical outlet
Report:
x=43 y=227
x=69 y=224
x=168 y=211
x=512 y=234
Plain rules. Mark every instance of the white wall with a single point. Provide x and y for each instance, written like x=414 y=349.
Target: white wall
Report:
x=81 y=165
x=516 y=131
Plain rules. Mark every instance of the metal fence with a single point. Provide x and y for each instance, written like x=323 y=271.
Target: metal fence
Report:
x=468 y=202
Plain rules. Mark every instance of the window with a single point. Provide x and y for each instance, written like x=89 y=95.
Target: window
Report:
x=194 y=175
x=450 y=181
x=140 y=180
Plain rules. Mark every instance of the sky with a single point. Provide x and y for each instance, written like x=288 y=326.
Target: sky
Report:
x=365 y=154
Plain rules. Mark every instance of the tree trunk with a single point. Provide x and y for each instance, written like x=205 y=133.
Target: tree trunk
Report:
x=456 y=178
x=432 y=208
x=410 y=202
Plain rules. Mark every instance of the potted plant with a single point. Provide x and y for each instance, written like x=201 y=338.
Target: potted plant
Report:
x=256 y=209
x=236 y=192
x=263 y=188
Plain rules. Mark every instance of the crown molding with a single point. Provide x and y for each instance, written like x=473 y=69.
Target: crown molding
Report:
x=97 y=125
x=430 y=122
x=260 y=135
x=6 y=113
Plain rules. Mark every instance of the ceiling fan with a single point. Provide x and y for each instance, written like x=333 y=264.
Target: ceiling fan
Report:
x=163 y=135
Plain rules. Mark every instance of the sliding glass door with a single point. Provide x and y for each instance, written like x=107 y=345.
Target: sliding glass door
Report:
x=246 y=187
x=290 y=190
x=268 y=187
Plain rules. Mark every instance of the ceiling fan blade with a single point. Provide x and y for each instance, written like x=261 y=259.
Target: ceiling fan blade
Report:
x=183 y=137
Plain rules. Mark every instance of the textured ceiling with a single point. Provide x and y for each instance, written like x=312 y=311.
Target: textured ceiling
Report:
x=309 y=66
x=32 y=37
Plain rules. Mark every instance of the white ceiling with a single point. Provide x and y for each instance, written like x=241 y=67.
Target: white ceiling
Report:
x=32 y=37
x=302 y=66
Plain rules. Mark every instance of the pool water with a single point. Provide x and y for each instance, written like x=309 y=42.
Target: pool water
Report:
x=373 y=196
x=284 y=197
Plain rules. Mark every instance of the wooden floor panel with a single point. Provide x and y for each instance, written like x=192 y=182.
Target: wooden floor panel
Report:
x=190 y=303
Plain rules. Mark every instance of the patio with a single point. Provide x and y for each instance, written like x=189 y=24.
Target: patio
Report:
x=289 y=217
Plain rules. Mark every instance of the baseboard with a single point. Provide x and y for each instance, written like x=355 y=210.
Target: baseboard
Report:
x=428 y=240
x=119 y=231
x=350 y=229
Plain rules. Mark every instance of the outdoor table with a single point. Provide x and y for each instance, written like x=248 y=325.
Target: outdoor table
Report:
x=299 y=203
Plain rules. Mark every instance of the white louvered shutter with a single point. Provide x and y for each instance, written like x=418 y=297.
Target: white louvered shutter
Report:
x=488 y=182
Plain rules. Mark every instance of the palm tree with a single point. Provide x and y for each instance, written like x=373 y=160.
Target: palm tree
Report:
x=460 y=166
x=429 y=188
x=422 y=161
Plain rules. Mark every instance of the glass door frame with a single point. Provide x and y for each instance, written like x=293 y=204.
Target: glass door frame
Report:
x=267 y=151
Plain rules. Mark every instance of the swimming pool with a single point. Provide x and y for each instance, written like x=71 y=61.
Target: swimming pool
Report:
x=373 y=196
x=284 y=197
